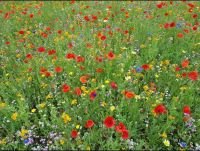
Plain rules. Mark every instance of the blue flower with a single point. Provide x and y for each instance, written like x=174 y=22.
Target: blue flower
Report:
x=26 y=141
x=178 y=25
x=139 y=69
x=183 y=144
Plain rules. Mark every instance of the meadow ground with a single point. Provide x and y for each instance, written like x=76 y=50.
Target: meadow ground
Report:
x=100 y=75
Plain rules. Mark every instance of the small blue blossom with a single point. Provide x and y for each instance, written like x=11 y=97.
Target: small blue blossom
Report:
x=183 y=144
x=139 y=69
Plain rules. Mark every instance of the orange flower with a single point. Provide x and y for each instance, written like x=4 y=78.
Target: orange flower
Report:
x=129 y=95
x=185 y=63
x=83 y=79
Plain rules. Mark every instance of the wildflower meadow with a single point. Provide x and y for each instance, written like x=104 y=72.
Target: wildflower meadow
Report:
x=99 y=75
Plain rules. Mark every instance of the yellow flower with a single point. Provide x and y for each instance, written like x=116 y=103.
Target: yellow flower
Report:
x=171 y=117
x=33 y=110
x=14 y=116
x=29 y=79
x=62 y=141
x=23 y=133
x=49 y=96
x=71 y=73
x=93 y=80
x=18 y=55
x=66 y=118
x=107 y=81
x=3 y=141
x=112 y=108
x=74 y=102
x=88 y=148
x=164 y=135
x=103 y=104
x=166 y=142
x=2 y=105
x=42 y=105
x=83 y=88
x=77 y=126
x=145 y=87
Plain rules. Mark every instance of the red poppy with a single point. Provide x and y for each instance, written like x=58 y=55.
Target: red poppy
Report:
x=89 y=124
x=125 y=134
x=194 y=28
x=186 y=110
x=80 y=59
x=47 y=74
x=160 y=109
x=111 y=55
x=184 y=75
x=29 y=56
x=58 y=69
x=70 y=56
x=172 y=24
x=59 y=31
x=159 y=5
x=99 y=59
x=177 y=69
x=113 y=85
x=74 y=133
x=109 y=122
x=78 y=91
x=65 y=88
x=166 y=25
x=99 y=70
x=31 y=15
x=193 y=75
x=86 y=18
x=103 y=37
x=7 y=43
x=51 y=52
x=129 y=95
x=120 y=127
x=41 y=49
x=185 y=63
x=180 y=35
x=145 y=67
x=21 y=32
x=194 y=15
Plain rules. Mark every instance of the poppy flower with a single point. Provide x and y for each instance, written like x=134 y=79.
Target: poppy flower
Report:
x=93 y=94
x=145 y=67
x=21 y=32
x=89 y=124
x=41 y=49
x=160 y=5
x=80 y=59
x=194 y=15
x=194 y=28
x=186 y=110
x=109 y=122
x=70 y=56
x=86 y=18
x=78 y=91
x=120 y=127
x=31 y=15
x=99 y=70
x=177 y=69
x=65 y=88
x=193 y=75
x=111 y=55
x=180 y=35
x=29 y=56
x=103 y=38
x=172 y=24
x=185 y=63
x=83 y=79
x=51 y=52
x=113 y=85
x=74 y=133
x=160 y=109
x=184 y=75
x=58 y=69
x=125 y=134
x=129 y=95
x=7 y=43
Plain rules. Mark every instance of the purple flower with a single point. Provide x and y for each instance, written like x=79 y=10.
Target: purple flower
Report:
x=139 y=69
